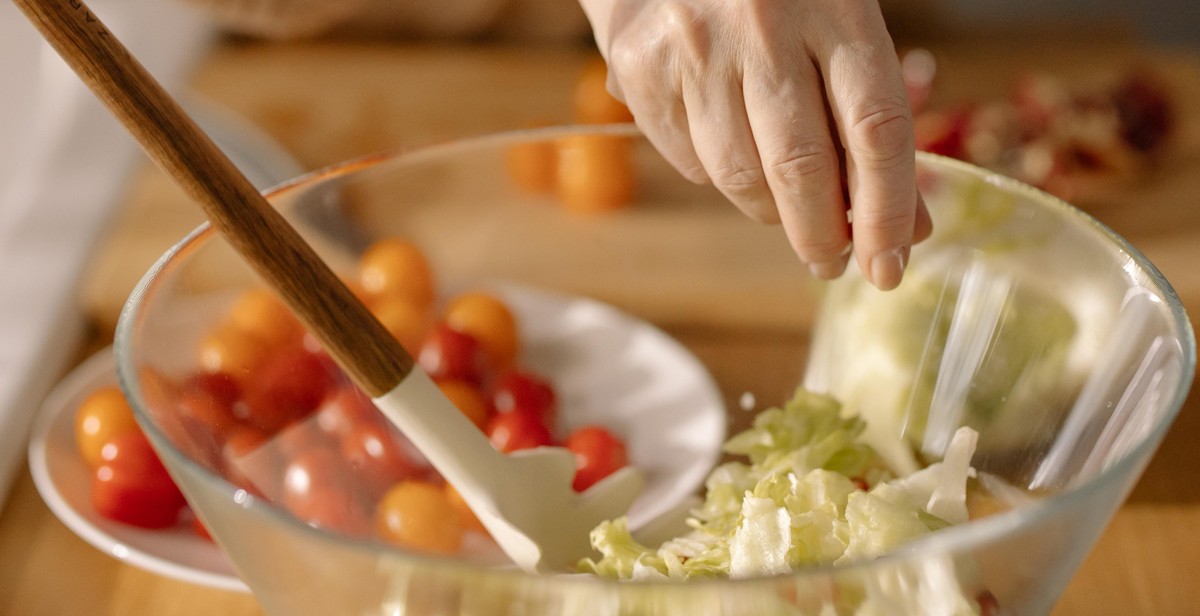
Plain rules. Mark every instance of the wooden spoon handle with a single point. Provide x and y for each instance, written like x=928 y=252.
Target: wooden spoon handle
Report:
x=372 y=357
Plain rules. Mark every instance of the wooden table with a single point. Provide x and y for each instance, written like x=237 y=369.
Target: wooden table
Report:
x=327 y=101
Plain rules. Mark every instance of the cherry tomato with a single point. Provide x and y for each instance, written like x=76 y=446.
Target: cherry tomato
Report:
x=378 y=457
x=448 y=354
x=404 y=320
x=200 y=529
x=518 y=391
x=260 y=313
x=469 y=520
x=131 y=485
x=102 y=415
x=597 y=455
x=510 y=432
x=209 y=400
x=318 y=491
x=488 y=320
x=345 y=409
x=595 y=173
x=248 y=461
x=593 y=103
x=419 y=515
x=397 y=268
x=468 y=399
x=287 y=388
x=532 y=166
x=233 y=351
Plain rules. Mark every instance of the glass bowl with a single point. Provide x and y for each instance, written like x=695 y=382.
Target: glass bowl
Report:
x=1021 y=317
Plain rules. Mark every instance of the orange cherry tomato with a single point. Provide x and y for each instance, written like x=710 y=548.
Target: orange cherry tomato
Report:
x=598 y=454
x=532 y=166
x=233 y=351
x=419 y=515
x=102 y=415
x=593 y=103
x=200 y=529
x=404 y=320
x=260 y=313
x=468 y=399
x=469 y=519
x=595 y=173
x=488 y=320
x=397 y=268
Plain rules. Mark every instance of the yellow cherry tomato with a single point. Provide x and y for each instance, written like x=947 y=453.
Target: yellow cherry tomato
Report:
x=405 y=321
x=419 y=515
x=532 y=166
x=487 y=319
x=233 y=351
x=103 y=415
x=593 y=103
x=470 y=520
x=397 y=268
x=260 y=313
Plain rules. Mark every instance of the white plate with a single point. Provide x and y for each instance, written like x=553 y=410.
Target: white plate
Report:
x=64 y=481
x=608 y=368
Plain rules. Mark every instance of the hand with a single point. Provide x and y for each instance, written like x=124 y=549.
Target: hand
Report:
x=794 y=109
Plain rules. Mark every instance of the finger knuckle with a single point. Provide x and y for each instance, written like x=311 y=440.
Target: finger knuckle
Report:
x=881 y=131
x=889 y=220
x=738 y=178
x=803 y=161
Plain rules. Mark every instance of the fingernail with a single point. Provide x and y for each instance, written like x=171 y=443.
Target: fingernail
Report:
x=887 y=267
x=828 y=270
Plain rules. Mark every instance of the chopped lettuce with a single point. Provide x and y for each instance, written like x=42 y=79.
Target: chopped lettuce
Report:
x=797 y=500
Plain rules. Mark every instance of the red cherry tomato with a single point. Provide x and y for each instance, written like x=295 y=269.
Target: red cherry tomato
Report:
x=597 y=455
x=248 y=459
x=210 y=399
x=378 y=457
x=131 y=485
x=345 y=410
x=525 y=392
x=448 y=354
x=510 y=432
x=318 y=491
x=289 y=387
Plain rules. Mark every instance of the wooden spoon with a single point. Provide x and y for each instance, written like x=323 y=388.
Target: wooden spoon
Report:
x=525 y=499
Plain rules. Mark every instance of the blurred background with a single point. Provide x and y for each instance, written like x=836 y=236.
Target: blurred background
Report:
x=287 y=86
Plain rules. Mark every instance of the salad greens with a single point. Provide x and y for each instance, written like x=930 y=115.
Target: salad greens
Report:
x=810 y=491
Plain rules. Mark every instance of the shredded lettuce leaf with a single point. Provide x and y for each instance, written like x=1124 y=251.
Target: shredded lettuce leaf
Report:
x=797 y=500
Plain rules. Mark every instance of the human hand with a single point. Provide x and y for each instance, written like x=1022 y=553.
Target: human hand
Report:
x=794 y=109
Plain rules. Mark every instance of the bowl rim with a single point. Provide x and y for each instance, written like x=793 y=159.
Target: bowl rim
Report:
x=955 y=539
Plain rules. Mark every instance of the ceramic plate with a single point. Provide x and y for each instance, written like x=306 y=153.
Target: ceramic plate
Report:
x=608 y=368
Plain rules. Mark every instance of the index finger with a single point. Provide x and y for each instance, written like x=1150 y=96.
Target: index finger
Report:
x=867 y=96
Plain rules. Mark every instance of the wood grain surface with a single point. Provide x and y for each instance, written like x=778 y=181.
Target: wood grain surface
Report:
x=329 y=101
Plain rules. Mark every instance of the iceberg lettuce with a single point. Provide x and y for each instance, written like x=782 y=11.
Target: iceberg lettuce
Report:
x=797 y=500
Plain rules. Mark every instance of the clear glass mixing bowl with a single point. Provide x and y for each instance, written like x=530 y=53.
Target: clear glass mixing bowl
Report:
x=1022 y=317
